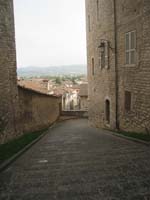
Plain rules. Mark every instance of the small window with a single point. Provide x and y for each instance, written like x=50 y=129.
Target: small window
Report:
x=127 y=101
x=130 y=46
x=89 y=23
x=107 y=111
x=97 y=4
x=93 y=67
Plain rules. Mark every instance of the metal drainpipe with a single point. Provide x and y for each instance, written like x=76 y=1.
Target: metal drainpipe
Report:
x=116 y=64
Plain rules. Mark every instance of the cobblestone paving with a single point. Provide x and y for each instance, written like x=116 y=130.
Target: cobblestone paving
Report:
x=76 y=162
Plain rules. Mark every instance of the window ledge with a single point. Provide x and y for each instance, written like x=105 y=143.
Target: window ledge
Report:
x=130 y=65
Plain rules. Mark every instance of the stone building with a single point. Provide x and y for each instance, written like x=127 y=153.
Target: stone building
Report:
x=83 y=95
x=38 y=110
x=70 y=99
x=118 y=49
x=8 y=77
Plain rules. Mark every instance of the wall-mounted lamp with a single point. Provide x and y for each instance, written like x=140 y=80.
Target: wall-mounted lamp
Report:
x=102 y=46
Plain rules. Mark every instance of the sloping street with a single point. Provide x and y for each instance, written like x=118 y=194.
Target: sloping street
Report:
x=77 y=162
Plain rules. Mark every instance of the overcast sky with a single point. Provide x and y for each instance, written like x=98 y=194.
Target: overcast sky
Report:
x=50 y=32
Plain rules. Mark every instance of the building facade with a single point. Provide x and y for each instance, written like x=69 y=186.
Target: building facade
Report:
x=83 y=94
x=8 y=78
x=70 y=100
x=118 y=49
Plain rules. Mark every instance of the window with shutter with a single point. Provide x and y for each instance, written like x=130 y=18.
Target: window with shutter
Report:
x=130 y=47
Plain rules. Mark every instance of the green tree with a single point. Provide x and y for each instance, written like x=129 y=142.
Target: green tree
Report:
x=58 y=80
x=73 y=79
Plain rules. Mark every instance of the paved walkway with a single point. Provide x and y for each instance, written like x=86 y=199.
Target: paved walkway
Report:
x=75 y=162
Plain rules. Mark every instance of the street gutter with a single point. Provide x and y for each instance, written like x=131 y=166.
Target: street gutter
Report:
x=128 y=138
x=8 y=162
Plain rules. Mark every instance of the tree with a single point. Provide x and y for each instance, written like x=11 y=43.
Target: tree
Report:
x=58 y=80
x=73 y=79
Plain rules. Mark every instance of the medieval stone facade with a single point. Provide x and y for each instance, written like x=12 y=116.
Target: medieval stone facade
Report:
x=118 y=49
x=8 y=78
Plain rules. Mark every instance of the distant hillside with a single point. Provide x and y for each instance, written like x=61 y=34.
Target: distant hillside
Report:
x=52 y=71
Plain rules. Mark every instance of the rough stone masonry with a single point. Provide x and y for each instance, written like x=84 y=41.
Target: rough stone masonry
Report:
x=8 y=78
x=118 y=49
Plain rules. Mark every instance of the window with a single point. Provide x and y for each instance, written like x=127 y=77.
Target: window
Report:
x=97 y=4
x=127 y=101
x=93 y=67
x=89 y=23
x=107 y=111
x=130 y=42
x=104 y=55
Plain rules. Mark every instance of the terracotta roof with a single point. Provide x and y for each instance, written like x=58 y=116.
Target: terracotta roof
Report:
x=38 y=92
x=37 y=85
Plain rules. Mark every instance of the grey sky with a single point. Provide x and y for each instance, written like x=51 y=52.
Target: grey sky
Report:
x=50 y=32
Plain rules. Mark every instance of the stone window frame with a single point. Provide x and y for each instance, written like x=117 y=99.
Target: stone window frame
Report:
x=105 y=65
x=89 y=23
x=93 y=66
x=97 y=9
x=129 y=50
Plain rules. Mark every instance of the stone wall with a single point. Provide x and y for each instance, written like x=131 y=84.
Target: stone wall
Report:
x=37 y=110
x=111 y=83
x=79 y=114
x=134 y=78
x=102 y=83
x=84 y=103
x=8 y=77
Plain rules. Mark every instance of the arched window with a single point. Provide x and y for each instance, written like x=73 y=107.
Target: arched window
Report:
x=89 y=23
x=107 y=111
x=93 y=67
x=97 y=9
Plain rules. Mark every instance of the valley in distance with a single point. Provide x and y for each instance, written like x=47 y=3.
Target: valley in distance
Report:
x=53 y=80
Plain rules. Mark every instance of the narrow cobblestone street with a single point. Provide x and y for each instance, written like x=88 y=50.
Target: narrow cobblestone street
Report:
x=76 y=162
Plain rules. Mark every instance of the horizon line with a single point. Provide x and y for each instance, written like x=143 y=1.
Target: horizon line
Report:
x=51 y=65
